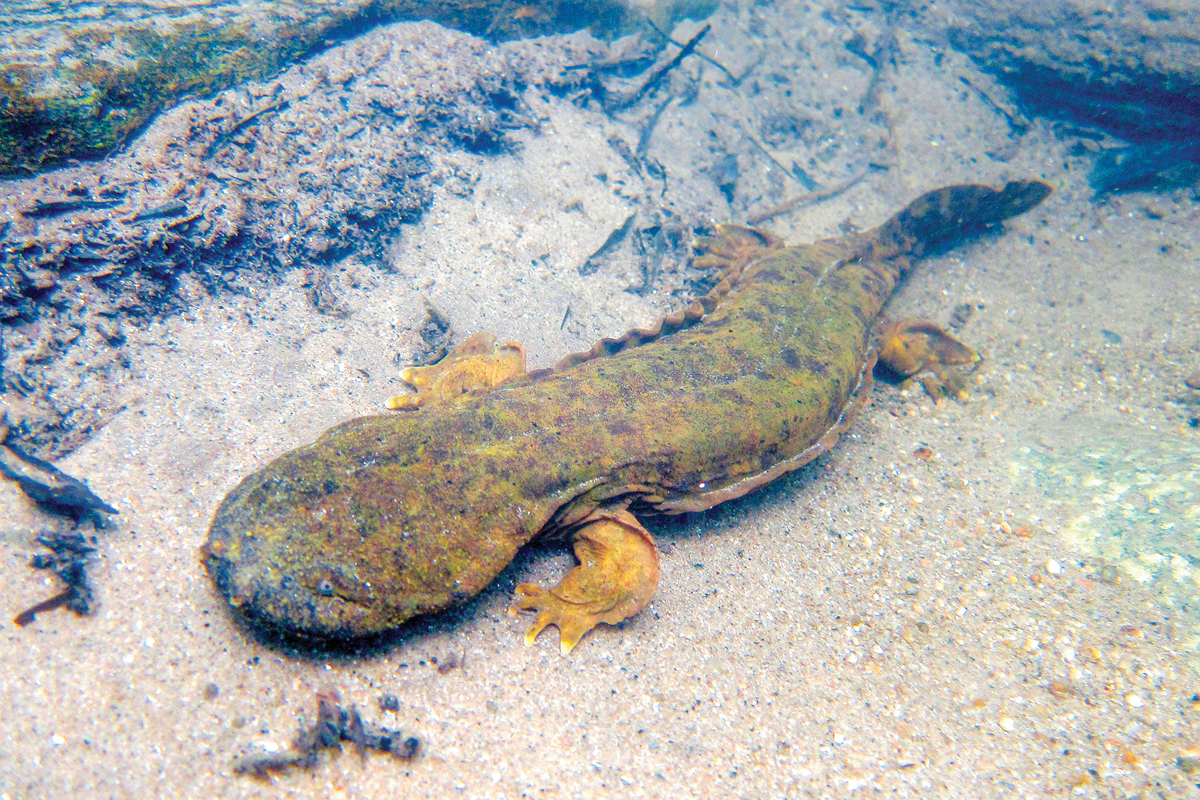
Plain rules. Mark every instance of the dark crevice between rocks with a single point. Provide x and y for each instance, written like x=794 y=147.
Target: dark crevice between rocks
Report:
x=1157 y=117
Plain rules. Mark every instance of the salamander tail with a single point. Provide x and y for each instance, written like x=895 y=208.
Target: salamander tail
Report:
x=952 y=212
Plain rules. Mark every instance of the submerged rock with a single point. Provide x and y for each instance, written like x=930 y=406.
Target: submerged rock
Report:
x=77 y=79
x=1132 y=69
x=302 y=170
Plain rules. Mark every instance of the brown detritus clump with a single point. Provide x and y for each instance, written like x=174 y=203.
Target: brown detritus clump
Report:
x=451 y=662
x=68 y=560
x=58 y=493
x=435 y=337
x=334 y=725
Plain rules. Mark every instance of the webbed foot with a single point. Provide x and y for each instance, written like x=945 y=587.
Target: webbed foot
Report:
x=616 y=577
x=473 y=367
x=734 y=245
x=919 y=351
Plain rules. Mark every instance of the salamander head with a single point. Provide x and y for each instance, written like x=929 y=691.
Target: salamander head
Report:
x=311 y=548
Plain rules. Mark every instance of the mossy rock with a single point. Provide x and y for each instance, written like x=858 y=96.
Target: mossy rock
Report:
x=74 y=86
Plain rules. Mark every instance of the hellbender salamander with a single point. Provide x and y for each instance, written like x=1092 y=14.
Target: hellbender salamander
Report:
x=390 y=516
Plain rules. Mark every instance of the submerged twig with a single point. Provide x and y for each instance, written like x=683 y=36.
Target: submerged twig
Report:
x=660 y=73
x=224 y=138
x=736 y=80
x=810 y=197
x=593 y=262
x=58 y=601
x=48 y=486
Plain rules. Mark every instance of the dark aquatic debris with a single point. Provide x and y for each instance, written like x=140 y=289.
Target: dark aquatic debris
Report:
x=334 y=725
x=48 y=486
x=67 y=558
x=56 y=492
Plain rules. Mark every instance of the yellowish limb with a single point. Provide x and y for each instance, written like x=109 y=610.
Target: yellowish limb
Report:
x=473 y=367
x=616 y=577
x=734 y=245
x=918 y=350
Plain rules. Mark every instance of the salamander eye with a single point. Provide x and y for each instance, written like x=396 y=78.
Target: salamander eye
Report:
x=325 y=588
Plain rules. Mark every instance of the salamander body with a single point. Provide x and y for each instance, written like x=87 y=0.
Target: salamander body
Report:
x=387 y=517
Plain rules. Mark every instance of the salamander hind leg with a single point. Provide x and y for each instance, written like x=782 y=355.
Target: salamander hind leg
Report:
x=734 y=246
x=918 y=350
x=473 y=367
x=616 y=577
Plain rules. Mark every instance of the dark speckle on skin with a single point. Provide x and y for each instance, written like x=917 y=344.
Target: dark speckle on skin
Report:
x=806 y=363
x=769 y=275
x=620 y=428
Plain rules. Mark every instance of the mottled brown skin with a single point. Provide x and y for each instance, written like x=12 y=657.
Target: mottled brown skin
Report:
x=387 y=517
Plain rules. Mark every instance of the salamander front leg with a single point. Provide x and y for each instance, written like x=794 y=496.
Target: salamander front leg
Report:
x=616 y=576
x=473 y=367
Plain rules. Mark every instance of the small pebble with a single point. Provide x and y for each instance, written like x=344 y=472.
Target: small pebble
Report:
x=1053 y=567
x=211 y=690
x=1059 y=689
x=57 y=740
x=1008 y=723
x=1134 y=701
x=1189 y=760
x=389 y=702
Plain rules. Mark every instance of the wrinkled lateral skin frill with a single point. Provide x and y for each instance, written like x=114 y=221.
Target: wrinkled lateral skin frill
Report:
x=387 y=517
